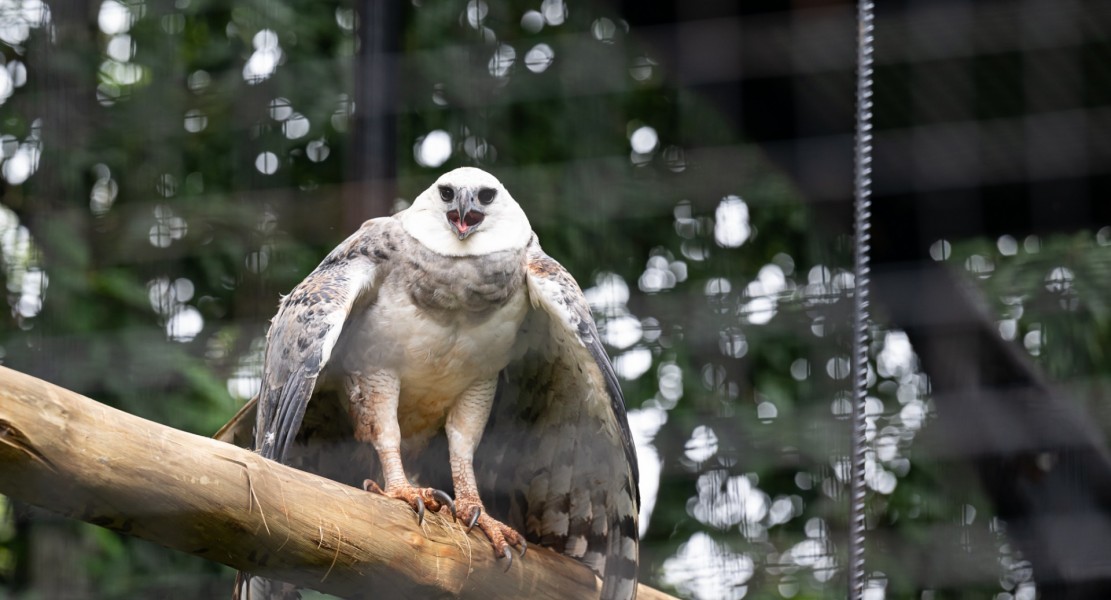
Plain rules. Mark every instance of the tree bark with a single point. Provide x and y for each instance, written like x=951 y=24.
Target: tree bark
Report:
x=85 y=460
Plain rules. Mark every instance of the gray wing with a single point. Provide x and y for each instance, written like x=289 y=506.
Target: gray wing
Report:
x=557 y=460
x=302 y=335
x=306 y=328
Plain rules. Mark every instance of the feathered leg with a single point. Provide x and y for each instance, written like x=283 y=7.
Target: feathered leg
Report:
x=465 y=425
x=373 y=404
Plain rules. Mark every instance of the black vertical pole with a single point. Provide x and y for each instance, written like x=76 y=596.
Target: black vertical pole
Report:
x=373 y=160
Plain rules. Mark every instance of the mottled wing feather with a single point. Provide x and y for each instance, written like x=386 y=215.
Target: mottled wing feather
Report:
x=557 y=459
x=302 y=335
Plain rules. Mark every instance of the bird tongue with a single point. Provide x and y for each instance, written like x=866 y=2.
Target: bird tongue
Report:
x=469 y=220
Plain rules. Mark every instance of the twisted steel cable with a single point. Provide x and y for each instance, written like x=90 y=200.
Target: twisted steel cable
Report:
x=862 y=213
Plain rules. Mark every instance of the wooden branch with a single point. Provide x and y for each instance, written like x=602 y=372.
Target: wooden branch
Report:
x=85 y=460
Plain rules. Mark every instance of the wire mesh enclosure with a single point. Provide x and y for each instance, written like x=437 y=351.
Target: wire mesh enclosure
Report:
x=170 y=168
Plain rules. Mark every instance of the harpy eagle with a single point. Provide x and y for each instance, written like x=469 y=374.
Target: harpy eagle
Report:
x=442 y=347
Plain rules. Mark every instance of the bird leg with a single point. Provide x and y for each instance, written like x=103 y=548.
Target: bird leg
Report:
x=464 y=427
x=373 y=402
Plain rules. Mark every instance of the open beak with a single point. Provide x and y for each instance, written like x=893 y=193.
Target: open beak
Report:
x=465 y=214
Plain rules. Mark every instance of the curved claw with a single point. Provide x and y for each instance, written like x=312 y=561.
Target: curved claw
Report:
x=474 y=519
x=508 y=558
x=420 y=511
x=524 y=547
x=445 y=500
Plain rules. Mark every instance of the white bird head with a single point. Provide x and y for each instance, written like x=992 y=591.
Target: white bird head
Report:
x=467 y=212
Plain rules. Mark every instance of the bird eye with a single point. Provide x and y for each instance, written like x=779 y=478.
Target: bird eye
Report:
x=446 y=194
x=486 y=195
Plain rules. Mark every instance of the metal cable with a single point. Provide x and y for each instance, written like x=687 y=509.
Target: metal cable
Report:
x=862 y=213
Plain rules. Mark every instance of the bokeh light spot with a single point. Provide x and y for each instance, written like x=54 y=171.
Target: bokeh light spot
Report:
x=195 y=121
x=266 y=163
x=554 y=11
x=120 y=48
x=731 y=222
x=476 y=12
x=539 y=58
x=603 y=30
x=185 y=324
x=644 y=140
x=433 y=149
x=502 y=61
x=532 y=21
x=265 y=59
x=297 y=126
x=280 y=109
x=317 y=150
x=113 y=17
